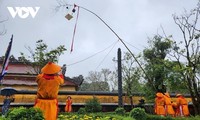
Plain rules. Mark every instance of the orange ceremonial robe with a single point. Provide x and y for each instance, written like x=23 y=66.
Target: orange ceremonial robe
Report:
x=49 y=108
x=168 y=105
x=68 y=107
x=182 y=107
x=48 y=87
x=159 y=104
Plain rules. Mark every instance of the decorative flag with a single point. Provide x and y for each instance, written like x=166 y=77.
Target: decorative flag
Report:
x=6 y=60
x=72 y=44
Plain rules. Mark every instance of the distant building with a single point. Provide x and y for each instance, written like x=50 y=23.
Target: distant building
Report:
x=21 y=76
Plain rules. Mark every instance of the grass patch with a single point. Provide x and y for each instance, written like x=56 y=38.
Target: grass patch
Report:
x=93 y=116
x=114 y=116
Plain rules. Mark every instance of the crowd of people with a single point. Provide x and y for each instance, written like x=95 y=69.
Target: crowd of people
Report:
x=165 y=107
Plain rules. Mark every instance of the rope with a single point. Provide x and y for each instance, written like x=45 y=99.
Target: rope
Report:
x=105 y=56
x=92 y=55
x=119 y=39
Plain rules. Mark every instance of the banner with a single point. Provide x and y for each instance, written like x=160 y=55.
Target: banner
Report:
x=6 y=60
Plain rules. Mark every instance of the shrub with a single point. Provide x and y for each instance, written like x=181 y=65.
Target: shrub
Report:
x=81 y=111
x=22 y=113
x=93 y=105
x=120 y=111
x=157 y=117
x=3 y=118
x=138 y=114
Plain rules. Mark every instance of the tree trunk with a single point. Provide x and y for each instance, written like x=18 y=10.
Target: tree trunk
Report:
x=194 y=95
x=131 y=101
x=196 y=105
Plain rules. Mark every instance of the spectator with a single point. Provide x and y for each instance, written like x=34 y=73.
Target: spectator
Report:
x=68 y=107
x=6 y=104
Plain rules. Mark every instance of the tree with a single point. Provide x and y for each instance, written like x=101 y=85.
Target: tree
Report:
x=85 y=86
x=105 y=74
x=155 y=65
x=187 y=53
x=94 y=86
x=97 y=81
x=174 y=81
x=113 y=81
x=40 y=56
x=131 y=75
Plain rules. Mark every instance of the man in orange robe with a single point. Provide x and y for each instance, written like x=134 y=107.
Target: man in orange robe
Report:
x=48 y=86
x=68 y=107
x=168 y=105
x=160 y=104
x=182 y=106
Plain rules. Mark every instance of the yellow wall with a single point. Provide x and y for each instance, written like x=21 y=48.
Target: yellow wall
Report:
x=81 y=99
x=76 y=98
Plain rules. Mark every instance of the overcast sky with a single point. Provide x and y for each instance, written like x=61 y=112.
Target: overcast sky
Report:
x=133 y=20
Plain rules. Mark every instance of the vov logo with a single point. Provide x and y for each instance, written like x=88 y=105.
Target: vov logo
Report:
x=23 y=12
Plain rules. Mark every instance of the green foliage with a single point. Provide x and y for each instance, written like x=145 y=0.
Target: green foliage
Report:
x=188 y=50
x=93 y=105
x=131 y=74
x=128 y=118
x=113 y=116
x=156 y=69
x=21 y=113
x=176 y=81
x=157 y=117
x=189 y=118
x=149 y=92
x=138 y=114
x=120 y=111
x=93 y=116
x=41 y=55
x=81 y=111
x=3 y=118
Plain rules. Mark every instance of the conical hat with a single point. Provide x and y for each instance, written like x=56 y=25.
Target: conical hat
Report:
x=179 y=95
x=159 y=94
x=51 y=68
x=167 y=94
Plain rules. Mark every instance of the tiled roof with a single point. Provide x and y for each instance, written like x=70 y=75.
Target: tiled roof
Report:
x=27 y=80
x=69 y=83
x=18 y=82
x=19 y=68
x=19 y=74
x=30 y=83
